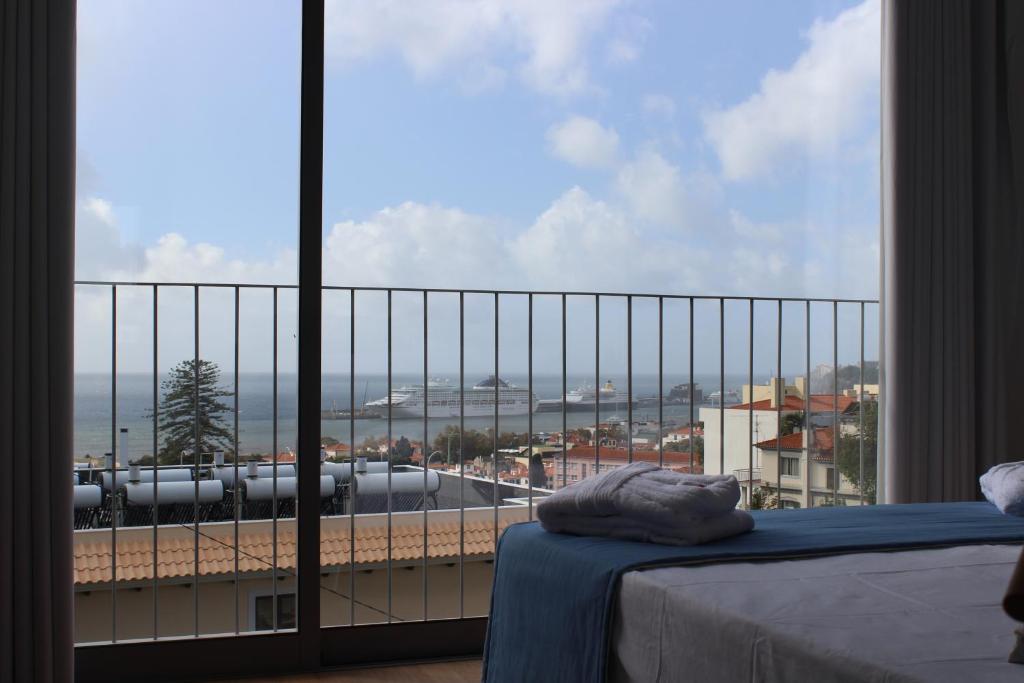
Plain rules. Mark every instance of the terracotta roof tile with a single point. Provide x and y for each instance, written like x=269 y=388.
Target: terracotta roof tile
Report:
x=790 y=442
x=176 y=555
x=795 y=442
x=820 y=403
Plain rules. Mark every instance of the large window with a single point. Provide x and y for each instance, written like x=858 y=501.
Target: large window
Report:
x=556 y=238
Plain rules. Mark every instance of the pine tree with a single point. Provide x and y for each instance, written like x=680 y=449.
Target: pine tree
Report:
x=178 y=413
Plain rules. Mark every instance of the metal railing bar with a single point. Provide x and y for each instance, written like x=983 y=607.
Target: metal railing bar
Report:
x=442 y=290
x=565 y=435
x=497 y=402
x=750 y=412
x=196 y=455
x=597 y=384
x=860 y=408
x=721 y=386
x=352 y=456
x=629 y=379
x=835 y=404
x=692 y=444
x=156 y=469
x=529 y=398
x=780 y=397
x=389 y=449
x=273 y=502
x=113 y=463
x=462 y=463
x=425 y=450
x=808 y=421
x=661 y=383
x=234 y=495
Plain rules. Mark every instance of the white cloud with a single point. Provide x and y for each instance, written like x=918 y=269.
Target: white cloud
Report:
x=415 y=244
x=481 y=77
x=630 y=33
x=658 y=192
x=747 y=228
x=99 y=249
x=622 y=51
x=583 y=142
x=758 y=271
x=659 y=105
x=578 y=242
x=548 y=39
x=578 y=229
x=811 y=108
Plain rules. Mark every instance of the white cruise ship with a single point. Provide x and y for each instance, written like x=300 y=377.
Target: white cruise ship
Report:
x=584 y=398
x=443 y=400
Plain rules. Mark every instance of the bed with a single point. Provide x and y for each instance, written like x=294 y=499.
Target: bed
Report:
x=887 y=593
x=920 y=615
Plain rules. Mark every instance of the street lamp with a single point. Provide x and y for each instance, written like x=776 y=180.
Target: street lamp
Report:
x=426 y=465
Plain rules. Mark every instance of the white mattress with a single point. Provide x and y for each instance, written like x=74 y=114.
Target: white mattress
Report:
x=921 y=615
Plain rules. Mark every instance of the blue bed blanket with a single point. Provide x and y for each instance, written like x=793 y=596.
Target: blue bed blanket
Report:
x=553 y=596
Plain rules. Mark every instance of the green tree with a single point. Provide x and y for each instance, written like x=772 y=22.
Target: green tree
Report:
x=474 y=443
x=511 y=439
x=848 y=460
x=698 y=453
x=792 y=422
x=764 y=498
x=179 y=410
x=613 y=433
x=582 y=434
x=401 y=452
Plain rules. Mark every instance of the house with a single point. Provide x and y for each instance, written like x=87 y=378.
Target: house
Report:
x=745 y=424
x=803 y=463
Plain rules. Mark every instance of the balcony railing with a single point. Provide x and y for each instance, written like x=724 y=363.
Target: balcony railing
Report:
x=221 y=504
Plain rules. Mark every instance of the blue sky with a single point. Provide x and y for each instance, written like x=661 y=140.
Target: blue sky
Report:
x=678 y=147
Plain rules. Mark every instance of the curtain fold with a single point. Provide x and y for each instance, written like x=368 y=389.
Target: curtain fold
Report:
x=37 y=172
x=953 y=244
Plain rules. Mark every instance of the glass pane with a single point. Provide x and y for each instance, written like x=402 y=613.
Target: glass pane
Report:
x=584 y=152
x=185 y=316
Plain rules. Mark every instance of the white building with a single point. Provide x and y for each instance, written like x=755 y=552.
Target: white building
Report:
x=803 y=481
x=751 y=422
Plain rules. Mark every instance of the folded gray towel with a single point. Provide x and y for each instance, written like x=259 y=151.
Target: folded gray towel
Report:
x=643 y=502
x=1003 y=486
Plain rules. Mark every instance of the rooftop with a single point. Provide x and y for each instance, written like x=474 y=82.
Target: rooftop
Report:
x=822 y=443
x=820 y=403
x=673 y=459
x=175 y=554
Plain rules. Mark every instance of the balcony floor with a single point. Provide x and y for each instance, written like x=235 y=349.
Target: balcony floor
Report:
x=467 y=671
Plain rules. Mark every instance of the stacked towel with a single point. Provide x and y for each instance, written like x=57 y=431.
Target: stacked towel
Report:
x=643 y=502
x=1003 y=486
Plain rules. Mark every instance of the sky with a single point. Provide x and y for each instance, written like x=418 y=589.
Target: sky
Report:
x=708 y=148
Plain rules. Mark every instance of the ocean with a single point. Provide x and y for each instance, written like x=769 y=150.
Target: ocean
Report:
x=95 y=428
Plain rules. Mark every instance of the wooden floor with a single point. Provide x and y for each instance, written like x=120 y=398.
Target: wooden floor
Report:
x=444 y=672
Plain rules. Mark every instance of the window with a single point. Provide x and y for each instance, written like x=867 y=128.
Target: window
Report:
x=262 y=615
x=618 y=147
x=830 y=477
x=790 y=467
